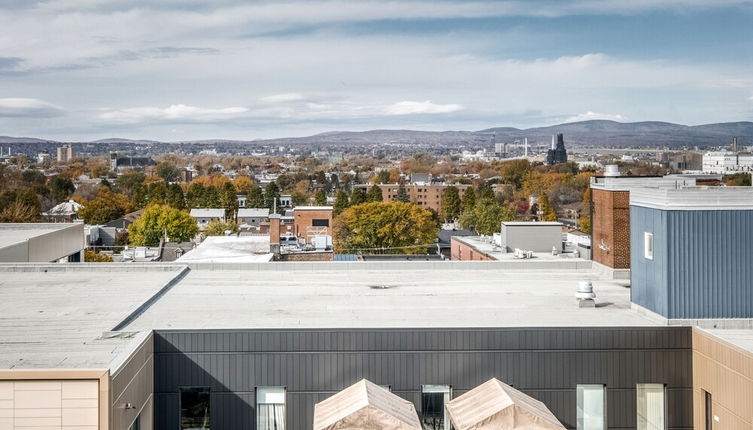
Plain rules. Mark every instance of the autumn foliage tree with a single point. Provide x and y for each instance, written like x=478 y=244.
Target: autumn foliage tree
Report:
x=105 y=207
x=384 y=228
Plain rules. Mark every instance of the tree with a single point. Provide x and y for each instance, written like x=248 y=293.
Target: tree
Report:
x=469 y=199
x=105 y=207
x=585 y=219
x=383 y=177
x=341 y=201
x=219 y=228
x=402 y=194
x=61 y=188
x=374 y=194
x=18 y=211
x=546 y=208
x=487 y=216
x=158 y=221
x=167 y=171
x=320 y=199
x=359 y=196
x=175 y=197
x=255 y=197
x=384 y=227
x=96 y=257
x=451 y=204
x=229 y=200
x=242 y=184
x=271 y=194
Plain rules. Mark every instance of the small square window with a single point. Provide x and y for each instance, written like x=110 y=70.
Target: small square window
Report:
x=648 y=246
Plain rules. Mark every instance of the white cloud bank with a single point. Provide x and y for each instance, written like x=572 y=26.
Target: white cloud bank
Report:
x=594 y=115
x=26 y=107
x=172 y=112
x=427 y=107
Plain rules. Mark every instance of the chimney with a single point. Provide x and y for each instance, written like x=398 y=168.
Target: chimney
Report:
x=274 y=233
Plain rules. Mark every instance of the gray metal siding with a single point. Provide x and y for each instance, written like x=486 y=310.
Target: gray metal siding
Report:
x=702 y=263
x=648 y=278
x=313 y=364
x=133 y=383
x=710 y=255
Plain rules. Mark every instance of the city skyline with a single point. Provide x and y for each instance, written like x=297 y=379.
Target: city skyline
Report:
x=88 y=69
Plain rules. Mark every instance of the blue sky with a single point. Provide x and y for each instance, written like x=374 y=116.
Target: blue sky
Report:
x=190 y=69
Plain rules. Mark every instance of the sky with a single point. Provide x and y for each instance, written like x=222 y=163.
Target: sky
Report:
x=179 y=70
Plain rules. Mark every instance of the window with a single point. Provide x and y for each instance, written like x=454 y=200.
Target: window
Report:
x=591 y=407
x=709 y=411
x=651 y=407
x=194 y=408
x=648 y=245
x=320 y=222
x=433 y=413
x=270 y=408
x=136 y=423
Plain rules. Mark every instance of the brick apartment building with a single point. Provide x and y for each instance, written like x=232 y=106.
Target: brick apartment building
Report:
x=310 y=221
x=427 y=196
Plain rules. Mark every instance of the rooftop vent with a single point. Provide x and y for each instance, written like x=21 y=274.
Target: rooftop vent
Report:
x=585 y=295
x=611 y=170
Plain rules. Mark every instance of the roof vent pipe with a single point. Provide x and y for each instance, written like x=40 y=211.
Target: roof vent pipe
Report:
x=611 y=170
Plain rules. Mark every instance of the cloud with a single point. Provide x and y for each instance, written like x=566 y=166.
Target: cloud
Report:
x=32 y=108
x=588 y=116
x=283 y=98
x=427 y=107
x=9 y=63
x=176 y=112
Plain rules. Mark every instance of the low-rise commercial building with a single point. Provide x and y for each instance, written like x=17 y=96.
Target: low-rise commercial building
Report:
x=42 y=243
x=311 y=221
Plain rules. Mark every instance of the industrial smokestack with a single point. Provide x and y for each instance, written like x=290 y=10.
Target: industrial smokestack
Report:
x=526 y=147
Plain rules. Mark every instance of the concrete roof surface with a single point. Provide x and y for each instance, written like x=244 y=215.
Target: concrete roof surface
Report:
x=338 y=298
x=229 y=249
x=56 y=319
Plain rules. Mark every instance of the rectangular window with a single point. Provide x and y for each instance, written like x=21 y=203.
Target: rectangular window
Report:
x=648 y=245
x=136 y=423
x=433 y=413
x=270 y=408
x=320 y=222
x=709 y=411
x=194 y=408
x=591 y=407
x=651 y=407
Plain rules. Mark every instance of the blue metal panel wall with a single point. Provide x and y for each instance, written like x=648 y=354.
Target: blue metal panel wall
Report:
x=648 y=278
x=709 y=267
x=546 y=363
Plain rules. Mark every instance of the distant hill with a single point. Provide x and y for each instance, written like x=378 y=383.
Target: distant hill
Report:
x=10 y=139
x=647 y=133
x=592 y=133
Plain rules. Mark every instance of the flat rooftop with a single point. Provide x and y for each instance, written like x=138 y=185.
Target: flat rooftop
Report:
x=11 y=234
x=496 y=252
x=56 y=319
x=396 y=295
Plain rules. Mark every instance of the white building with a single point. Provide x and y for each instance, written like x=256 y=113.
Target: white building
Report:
x=727 y=162
x=205 y=216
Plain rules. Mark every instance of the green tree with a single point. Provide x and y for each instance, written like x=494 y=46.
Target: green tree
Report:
x=469 y=199
x=219 y=228
x=487 y=216
x=255 y=198
x=272 y=194
x=585 y=218
x=229 y=200
x=175 y=197
x=61 y=188
x=127 y=181
x=384 y=227
x=383 y=177
x=451 y=204
x=358 y=196
x=158 y=221
x=342 y=201
x=156 y=192
x=167 y=171
x=320 y=199
x=374 y=194
x=402 y=194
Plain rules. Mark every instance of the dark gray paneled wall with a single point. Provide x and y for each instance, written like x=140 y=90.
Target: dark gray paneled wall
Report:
x=313 y=364
x=133 y=383
x=702 y=263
